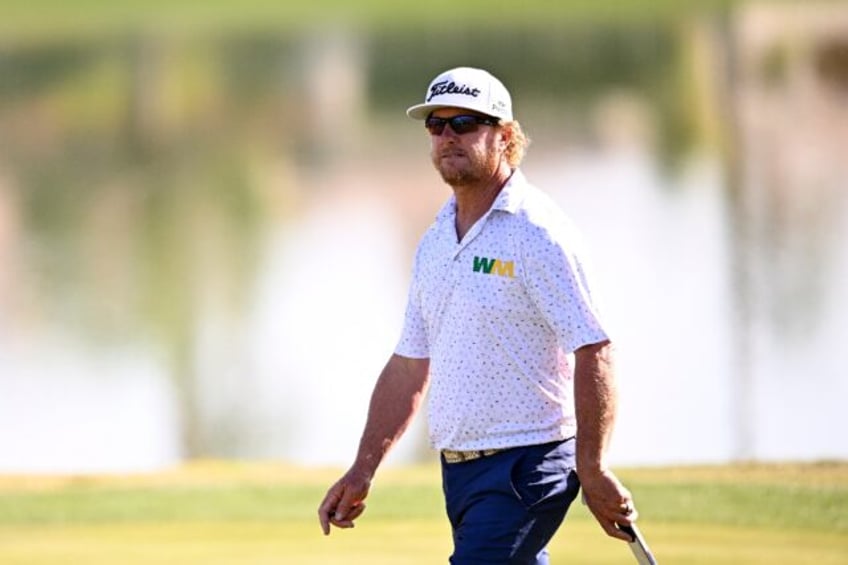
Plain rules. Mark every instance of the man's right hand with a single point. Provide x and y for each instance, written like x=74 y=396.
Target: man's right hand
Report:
x=394 y=402
x=344 y=502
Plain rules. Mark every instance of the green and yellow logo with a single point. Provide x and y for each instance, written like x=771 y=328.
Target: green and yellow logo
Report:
x=494 y=267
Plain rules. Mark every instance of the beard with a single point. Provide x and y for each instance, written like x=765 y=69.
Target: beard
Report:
x=460 y=168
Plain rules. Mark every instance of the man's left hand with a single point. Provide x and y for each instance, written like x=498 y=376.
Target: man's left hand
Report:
x=609 y=501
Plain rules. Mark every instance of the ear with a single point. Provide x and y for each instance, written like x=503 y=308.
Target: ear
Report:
x=505 y=136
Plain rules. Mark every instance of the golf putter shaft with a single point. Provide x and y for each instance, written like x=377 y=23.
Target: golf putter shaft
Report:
x=638 y=546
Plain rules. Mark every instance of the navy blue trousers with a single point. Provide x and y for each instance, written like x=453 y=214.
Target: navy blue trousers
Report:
x=505 y=508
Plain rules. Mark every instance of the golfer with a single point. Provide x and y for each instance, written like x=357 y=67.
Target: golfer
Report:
x=503 y=333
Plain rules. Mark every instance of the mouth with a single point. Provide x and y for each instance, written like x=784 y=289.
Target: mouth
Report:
x=451 y=154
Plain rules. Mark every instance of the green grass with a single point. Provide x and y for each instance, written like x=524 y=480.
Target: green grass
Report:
x=239 y=513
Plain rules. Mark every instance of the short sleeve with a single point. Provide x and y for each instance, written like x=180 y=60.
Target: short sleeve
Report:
x=413 y=341
x=558 y=281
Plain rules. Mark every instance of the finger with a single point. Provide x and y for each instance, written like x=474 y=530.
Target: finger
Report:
x=345 y=505
x=324 y=520
x=627 y=513
x=625 y=519
x=612 y=530
x=343 y=524
x=608 y=520
x=327 y=508
x=347 y=521
x=356 y=511
x=629 y=517
x=341 y=511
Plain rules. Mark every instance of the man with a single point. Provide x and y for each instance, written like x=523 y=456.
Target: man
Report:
x=499 y=301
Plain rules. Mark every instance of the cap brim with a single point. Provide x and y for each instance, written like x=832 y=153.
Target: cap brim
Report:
x=421 y=111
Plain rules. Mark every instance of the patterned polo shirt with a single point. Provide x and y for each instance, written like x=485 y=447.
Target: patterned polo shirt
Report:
x=498 y=314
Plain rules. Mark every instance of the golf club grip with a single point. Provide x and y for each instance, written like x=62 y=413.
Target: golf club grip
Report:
x=637 y=545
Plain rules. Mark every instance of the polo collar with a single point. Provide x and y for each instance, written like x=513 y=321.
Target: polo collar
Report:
x=508 y=200
x=510 y=197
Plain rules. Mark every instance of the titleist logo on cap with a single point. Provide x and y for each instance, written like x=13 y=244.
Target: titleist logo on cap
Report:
x=450 y=87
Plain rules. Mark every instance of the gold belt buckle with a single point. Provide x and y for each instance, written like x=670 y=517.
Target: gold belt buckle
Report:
x=452 y=456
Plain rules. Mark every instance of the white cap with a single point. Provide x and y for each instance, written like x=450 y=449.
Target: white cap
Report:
x=465 y=87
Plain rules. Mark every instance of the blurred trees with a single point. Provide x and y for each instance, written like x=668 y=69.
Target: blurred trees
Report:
x=141 y=162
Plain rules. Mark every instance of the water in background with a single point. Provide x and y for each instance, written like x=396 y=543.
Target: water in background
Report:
x=238 y=298
x=326 y=312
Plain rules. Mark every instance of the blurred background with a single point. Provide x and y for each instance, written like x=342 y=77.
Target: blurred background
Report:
x=208 y=217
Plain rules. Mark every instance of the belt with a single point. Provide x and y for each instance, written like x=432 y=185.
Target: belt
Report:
x=452 y=456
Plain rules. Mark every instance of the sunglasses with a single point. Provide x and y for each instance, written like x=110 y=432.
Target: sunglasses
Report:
x=459 y=124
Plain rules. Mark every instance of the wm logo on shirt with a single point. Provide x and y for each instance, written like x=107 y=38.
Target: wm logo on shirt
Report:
x=494 y=267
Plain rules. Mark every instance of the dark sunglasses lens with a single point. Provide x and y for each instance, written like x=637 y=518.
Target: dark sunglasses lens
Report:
x=463 y=124
x=459 y=124
x=435 y=125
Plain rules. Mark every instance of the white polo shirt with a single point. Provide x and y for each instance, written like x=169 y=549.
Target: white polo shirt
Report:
x=498 y=314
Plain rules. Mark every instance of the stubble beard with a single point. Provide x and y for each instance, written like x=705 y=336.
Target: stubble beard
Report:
x=458 y=177
x=461 y=174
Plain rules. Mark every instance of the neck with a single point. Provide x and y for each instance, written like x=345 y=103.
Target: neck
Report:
x=474 y=200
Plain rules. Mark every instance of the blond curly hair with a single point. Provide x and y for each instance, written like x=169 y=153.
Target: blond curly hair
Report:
x=518 y=142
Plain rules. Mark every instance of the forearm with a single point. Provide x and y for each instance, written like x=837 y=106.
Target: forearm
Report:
x=396 y=399
x=394 y=402
x=596 y=399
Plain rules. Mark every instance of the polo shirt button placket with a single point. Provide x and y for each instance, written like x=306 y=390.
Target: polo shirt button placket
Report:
x=455 y=269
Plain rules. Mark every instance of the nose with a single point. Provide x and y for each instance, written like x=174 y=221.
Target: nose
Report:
x=448 y=132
